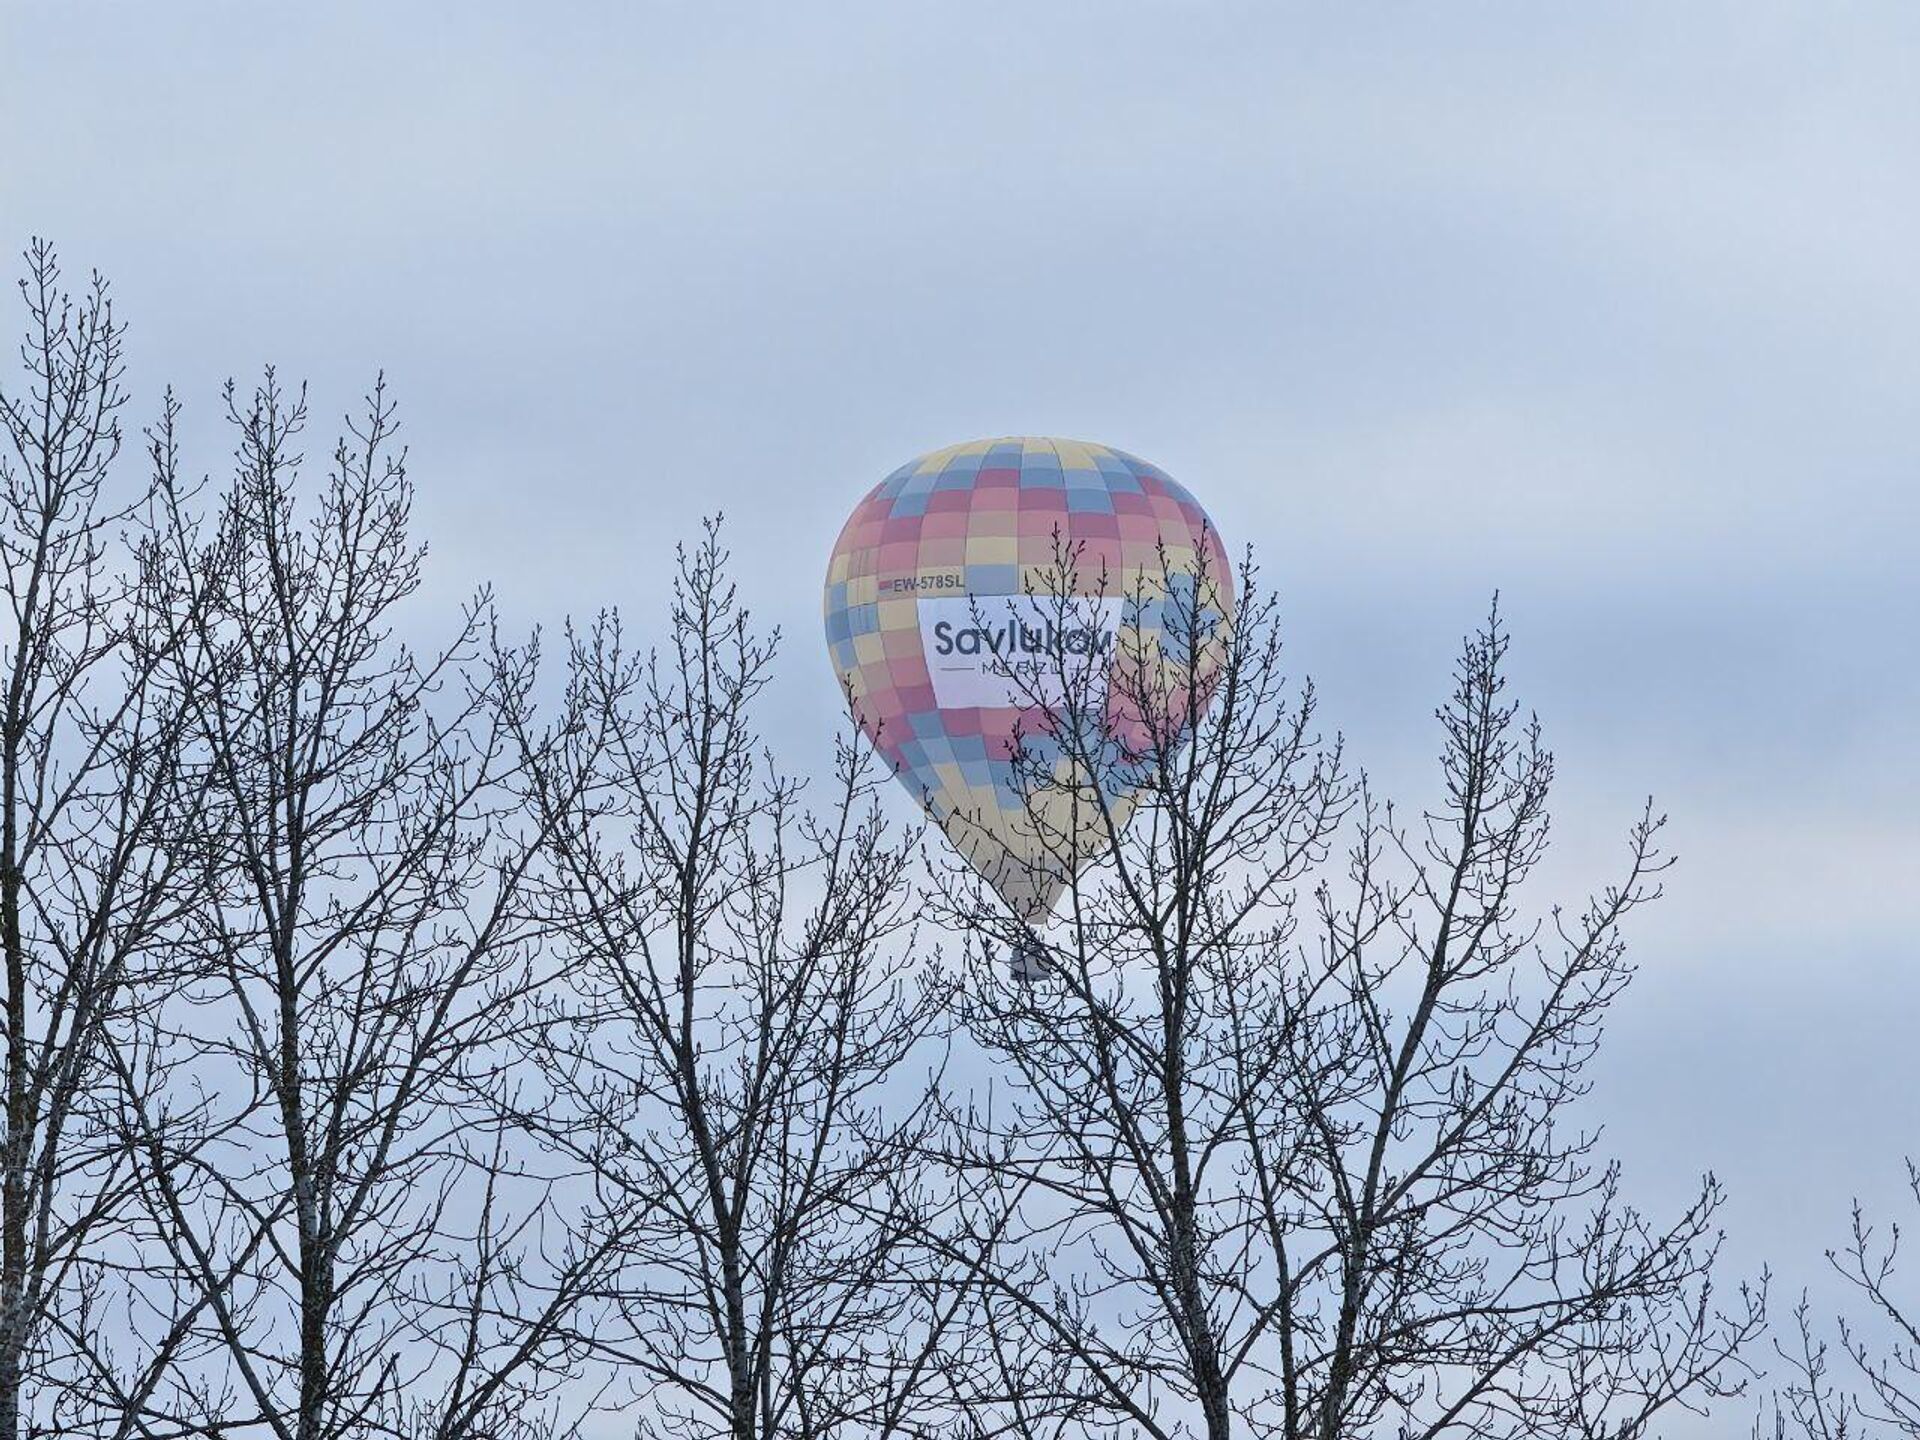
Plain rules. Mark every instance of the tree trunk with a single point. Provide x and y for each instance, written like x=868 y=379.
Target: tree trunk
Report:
x=13 y=1187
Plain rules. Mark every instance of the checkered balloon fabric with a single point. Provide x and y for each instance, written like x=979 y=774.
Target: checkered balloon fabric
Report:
x=966 y=593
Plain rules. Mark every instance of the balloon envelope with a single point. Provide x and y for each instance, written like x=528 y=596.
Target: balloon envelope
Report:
x=957 y=630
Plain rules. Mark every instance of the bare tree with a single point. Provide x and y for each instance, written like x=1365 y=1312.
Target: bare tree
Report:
x=1879 y=1347
x=733 y=1066
x=1292 y=1141
x=334 y=1211
x=91 y=794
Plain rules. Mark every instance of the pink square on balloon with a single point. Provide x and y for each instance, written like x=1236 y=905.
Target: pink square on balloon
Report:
x=900 y=527
x=948 y=522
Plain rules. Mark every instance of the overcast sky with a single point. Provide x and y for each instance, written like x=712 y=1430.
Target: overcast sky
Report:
x=1616 y=312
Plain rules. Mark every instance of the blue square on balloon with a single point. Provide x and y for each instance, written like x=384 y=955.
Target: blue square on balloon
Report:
x=993 y=579
x=863 y=619
x=1043 y=748
x=912 y=502
x=926 y=723
x=1084 y=500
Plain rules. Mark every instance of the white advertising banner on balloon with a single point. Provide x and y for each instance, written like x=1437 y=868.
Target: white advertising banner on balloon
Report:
x=1017 y=650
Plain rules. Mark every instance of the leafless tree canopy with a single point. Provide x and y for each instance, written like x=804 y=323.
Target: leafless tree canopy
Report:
x=336 y=1214
x=95 y=789
x=421 y=1042
x=731 y=1064
x=1288 y=1116
x=1862 y=1383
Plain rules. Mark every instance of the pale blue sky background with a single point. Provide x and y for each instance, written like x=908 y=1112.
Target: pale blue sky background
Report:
x=1617 y=311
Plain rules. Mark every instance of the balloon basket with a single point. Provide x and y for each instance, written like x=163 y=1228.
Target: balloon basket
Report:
x=1027 y=961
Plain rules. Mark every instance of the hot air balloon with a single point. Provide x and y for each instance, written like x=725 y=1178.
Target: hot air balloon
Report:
x=1018 y=623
